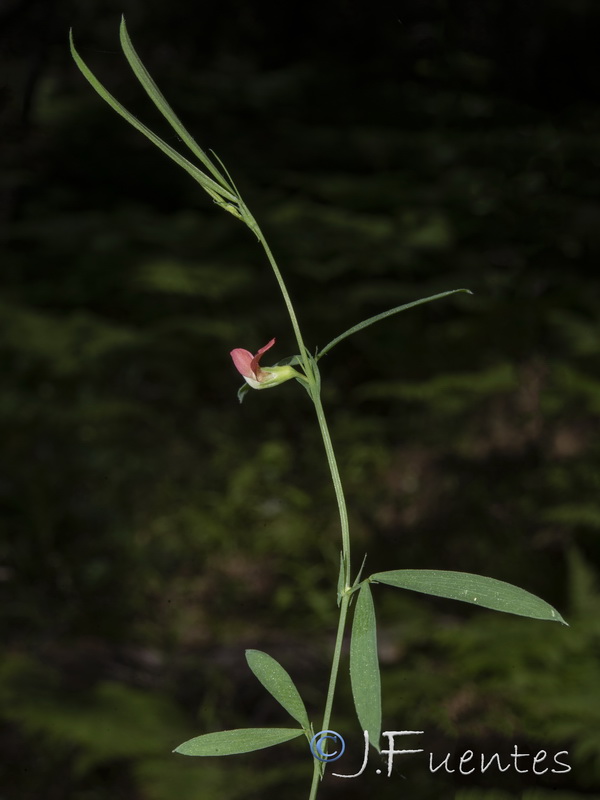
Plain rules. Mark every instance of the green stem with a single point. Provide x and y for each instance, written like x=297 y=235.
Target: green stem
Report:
x=335 y=667
x=314 y=390
x=316 y=779
x=315 y=395
x=253 y=225
x=337 y=485
x=337 y=652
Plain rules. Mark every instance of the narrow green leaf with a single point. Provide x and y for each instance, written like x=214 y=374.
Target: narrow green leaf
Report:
x=364 y=666
x=163 y=106
x=476 y=589
x=242 y=740
x=278 y=683
x=214 y=189
x=365 y=323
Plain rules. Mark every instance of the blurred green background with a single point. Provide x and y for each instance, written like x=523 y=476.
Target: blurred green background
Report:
x=152 y=528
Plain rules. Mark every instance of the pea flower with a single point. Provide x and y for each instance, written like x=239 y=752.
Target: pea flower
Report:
x=256 y=376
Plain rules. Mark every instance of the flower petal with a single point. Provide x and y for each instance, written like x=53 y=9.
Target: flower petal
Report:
x=242 y=360
x=255 y=363
x=265 y=348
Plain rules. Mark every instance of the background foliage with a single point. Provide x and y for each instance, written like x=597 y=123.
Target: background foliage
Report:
x=152 y=529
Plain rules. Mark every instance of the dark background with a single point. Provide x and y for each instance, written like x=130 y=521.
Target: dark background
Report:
x=152 y=528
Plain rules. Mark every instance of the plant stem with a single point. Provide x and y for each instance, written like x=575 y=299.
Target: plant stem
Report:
x=314 y=390
x=335 y=665
x=253 y=225
x=316 y=779
x=314 y=393
x=337 y=485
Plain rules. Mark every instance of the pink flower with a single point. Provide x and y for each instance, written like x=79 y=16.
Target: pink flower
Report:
x=256 y=376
